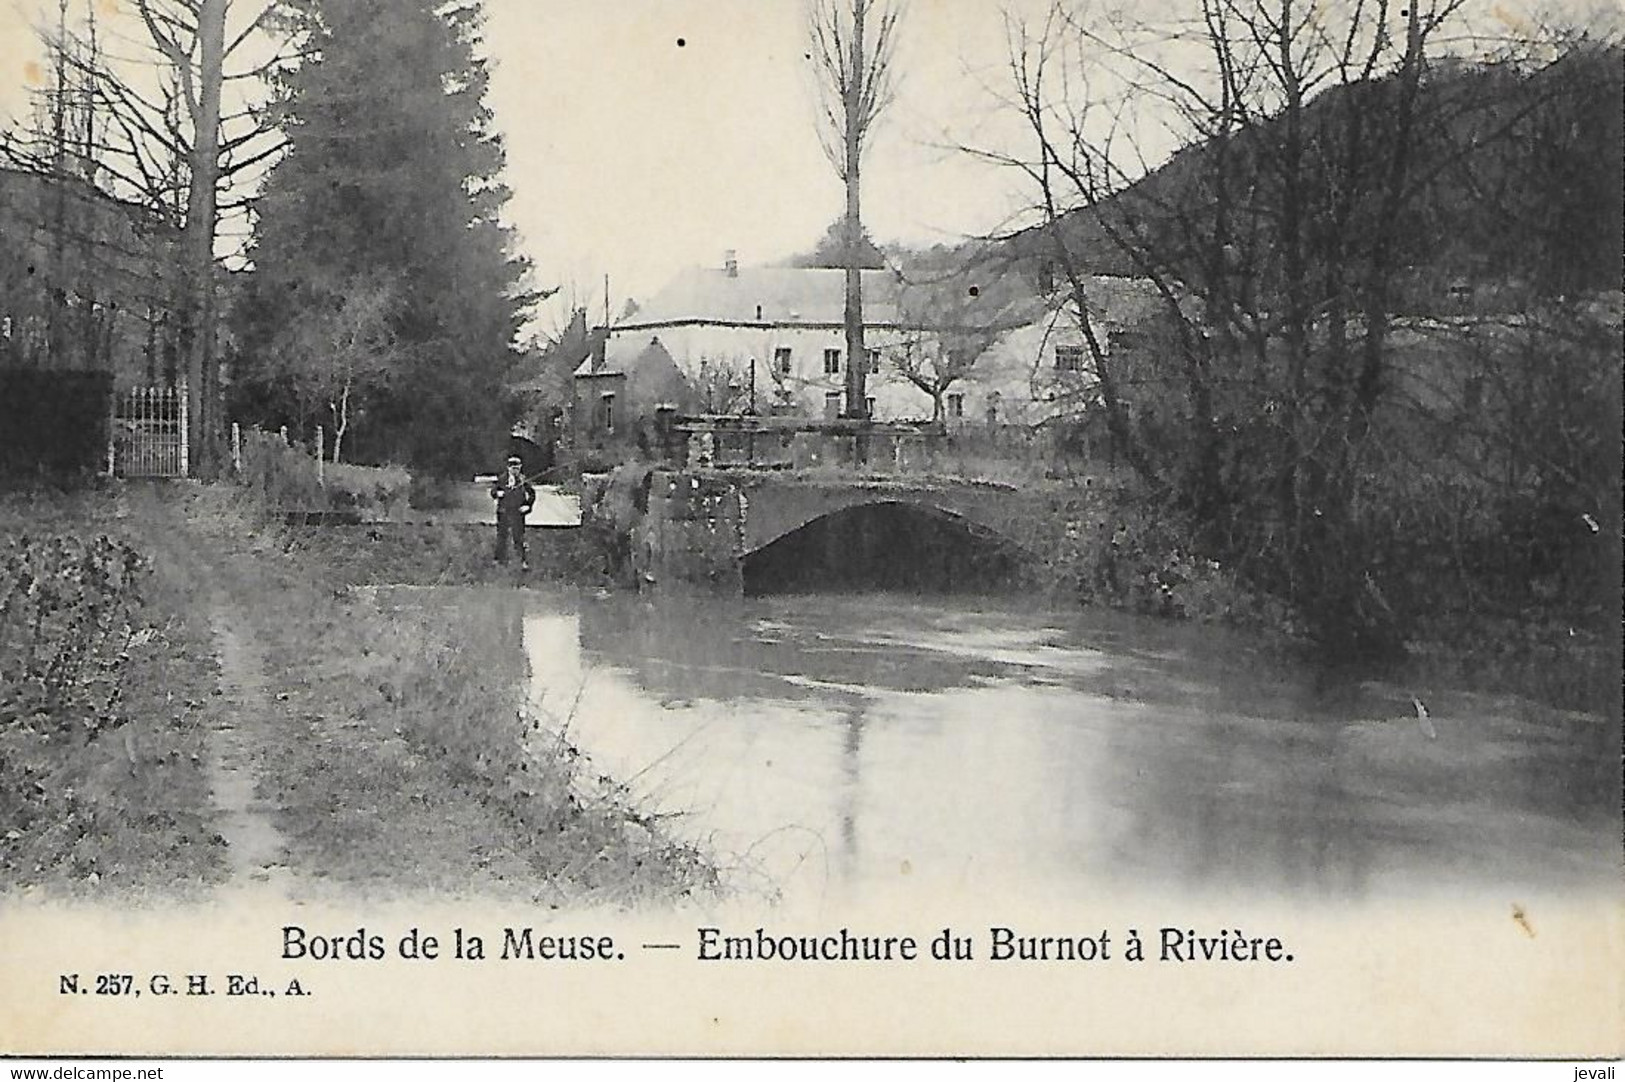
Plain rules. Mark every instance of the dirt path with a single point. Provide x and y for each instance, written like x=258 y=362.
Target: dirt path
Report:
x=255 y=846
x=244 y=714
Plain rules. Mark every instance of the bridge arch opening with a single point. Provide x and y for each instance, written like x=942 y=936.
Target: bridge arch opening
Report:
x=885 y=546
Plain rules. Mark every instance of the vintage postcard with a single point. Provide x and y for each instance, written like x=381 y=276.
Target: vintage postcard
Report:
x=905 y=528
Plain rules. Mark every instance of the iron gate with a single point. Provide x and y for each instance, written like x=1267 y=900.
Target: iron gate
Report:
x=149 y=433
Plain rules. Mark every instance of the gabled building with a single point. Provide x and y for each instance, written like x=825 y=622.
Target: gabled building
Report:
x=619 y=388
x=1043 y=370
x=771 y=340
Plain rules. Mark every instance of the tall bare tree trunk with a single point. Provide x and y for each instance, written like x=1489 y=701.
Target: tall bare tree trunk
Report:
x=56 y=289
x=857 y=359
x=198 y=243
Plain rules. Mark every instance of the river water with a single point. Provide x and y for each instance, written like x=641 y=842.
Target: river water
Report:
x=826 y=747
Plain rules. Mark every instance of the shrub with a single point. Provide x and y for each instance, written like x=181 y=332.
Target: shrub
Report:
x=280 y=475
x=68 y=614
x=67 y=609
x=379 y=490
x=1110 y=545
x=429 y=493
x=284 y=477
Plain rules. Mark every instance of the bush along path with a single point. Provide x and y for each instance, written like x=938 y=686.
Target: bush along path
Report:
x=386 y=754
x=107 y=682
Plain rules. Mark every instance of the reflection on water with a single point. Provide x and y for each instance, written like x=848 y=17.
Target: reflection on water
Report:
x=822 y=746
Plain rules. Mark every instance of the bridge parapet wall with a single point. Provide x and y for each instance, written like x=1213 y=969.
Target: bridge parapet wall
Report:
x=755 y=442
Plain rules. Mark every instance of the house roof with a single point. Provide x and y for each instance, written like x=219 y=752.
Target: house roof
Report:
x=780 y=295
x=1123 y=300
x=551 y=371
x=623 y=356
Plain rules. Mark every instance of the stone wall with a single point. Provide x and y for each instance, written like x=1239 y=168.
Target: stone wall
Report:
x=692 y=533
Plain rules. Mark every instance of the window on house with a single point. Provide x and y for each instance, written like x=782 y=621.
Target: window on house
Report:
x=874 y=361
x=832 y=405
x=993 y=408
x=956 y=405
x=606 y=412
x=1069 y=358
x=832 y=362
x=868 y=407
x=781 y=360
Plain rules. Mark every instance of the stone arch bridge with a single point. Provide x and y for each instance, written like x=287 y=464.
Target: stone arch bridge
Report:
x=698 y=526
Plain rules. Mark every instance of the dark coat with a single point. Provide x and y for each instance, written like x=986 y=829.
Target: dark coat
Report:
x=513 y=501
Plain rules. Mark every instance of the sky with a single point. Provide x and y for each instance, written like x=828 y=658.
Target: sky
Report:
x=647 y=136
x=651 y=135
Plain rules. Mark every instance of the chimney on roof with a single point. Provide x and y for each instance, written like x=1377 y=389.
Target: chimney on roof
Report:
x=730 y=263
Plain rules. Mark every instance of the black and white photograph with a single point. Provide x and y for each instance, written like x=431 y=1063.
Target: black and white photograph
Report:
x=812 y=528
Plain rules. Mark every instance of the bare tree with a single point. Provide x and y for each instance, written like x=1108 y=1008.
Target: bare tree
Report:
x=157 y=131
x=342 y=353
x=948 y=325
x=1278 y=236
x=89 y=243
x=723 y=385
x=853 y=43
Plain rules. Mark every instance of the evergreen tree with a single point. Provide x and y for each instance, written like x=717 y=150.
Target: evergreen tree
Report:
x=391 y=181
x=830 y=251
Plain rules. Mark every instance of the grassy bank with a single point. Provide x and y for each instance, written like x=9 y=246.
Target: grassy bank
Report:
x=414 y=720
x=390 y=747
x=437 y=555
x=109 y=687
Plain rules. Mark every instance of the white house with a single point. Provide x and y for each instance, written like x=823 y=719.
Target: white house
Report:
x=773 y=338
x=1043 y=368
x=774 y=331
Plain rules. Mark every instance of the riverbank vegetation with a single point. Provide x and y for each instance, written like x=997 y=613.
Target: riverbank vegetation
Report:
x=1472 y=603
x=107 y=685
x=392 y=744
x=1383 y=389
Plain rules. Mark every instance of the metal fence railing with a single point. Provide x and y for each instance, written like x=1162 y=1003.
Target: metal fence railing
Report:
x=148 y=437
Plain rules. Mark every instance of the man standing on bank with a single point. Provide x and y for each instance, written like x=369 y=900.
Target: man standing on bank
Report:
x=513 y=495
